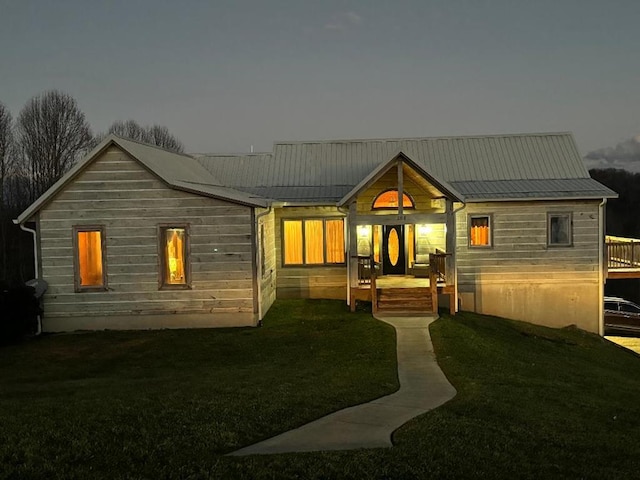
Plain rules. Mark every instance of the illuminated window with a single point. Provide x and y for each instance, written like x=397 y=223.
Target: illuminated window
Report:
x=559 y=230
x=389 y=199
x=480 y=230
x=334 y=240
x=313 y=242
x=174 y=255
x=90 y=271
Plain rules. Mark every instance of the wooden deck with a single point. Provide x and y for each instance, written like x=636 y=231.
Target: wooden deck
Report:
x=623 y=257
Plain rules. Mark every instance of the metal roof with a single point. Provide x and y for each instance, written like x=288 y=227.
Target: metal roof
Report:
x=167 y=165
x=478 y=168
x=528 y=189
x=178 y=171
x=322 y=170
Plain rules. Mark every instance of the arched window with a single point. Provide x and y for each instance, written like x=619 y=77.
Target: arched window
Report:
x=389 y=199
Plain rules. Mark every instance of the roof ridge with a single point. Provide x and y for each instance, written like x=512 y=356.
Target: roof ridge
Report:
x=157 y=147
x=445 y=137
x=230 y=154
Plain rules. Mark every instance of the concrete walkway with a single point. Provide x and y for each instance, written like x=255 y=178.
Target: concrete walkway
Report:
x=423 y=387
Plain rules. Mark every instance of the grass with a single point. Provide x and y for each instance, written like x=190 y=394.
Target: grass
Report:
x=532 y=402
x=169 y=403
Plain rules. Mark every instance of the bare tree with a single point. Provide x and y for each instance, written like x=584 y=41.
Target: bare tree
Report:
x=6 y=142
x=161 y=137
x=51 y=134
x=155 y=135
x=130 y=129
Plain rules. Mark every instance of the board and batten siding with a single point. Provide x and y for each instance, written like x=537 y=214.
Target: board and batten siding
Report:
x=320 y=281
x=130 y=202
x=523 y=278
x=266 y=225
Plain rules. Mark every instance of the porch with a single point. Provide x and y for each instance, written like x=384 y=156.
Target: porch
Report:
x=401 y=238
x=403 y=293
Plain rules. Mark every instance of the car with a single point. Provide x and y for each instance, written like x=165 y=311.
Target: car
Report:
x=621 y=316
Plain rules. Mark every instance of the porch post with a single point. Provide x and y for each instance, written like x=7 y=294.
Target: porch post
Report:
x=352 y=254
x=451 y=273
x=400 y=189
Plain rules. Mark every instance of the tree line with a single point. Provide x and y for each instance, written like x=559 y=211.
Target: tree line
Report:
x=47 y=137
x=622 y=212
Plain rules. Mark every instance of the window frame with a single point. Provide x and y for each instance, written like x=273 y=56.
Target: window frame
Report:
x=78 y=288
x=488 y=216
x=324 y=242
x=559 y=214
x=411 y=207
x=162 y=261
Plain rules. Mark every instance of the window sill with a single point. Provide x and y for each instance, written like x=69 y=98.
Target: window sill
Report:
x=91 y=289
x=174 y=287
x=314 y=265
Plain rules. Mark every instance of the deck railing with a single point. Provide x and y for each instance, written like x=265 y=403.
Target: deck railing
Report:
x=438 y=266
x=367 y=274
x=622 y=252
x=366 y=269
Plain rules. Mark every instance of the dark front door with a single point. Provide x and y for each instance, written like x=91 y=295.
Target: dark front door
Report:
x=393 y=260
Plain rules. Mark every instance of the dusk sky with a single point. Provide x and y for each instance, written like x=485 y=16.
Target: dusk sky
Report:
x=225 y=75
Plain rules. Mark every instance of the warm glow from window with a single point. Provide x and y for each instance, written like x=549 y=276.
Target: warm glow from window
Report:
x=393 y=247
x=376 y=244
x=174 y=254
x=313 y=241
x=411 y=243
x=389 y=199
x=293 y=242
x=313 y=246
x=90 y=258
x=334 y=237
x=479 y=232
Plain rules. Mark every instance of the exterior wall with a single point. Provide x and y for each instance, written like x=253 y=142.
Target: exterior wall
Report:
x=308 y=281
x=520 y=277
x=268 y=275
x=117 y=192
x=434 y=239
x=389 y=180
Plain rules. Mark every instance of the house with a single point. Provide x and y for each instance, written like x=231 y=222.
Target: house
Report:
x=134 y=236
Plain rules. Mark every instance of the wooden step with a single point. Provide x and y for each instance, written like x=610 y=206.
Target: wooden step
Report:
x=409 y=293
x=417 y=299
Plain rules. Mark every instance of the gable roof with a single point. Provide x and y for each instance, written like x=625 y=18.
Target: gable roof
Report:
x=178 y=171
x=381 y=169
x=326 y=171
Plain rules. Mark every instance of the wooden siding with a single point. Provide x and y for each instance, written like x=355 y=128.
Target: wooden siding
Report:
x=308 y=281
x=268 y=280
x=427 y=243
x=119 y=193
x=421 y=197
x=520 y=276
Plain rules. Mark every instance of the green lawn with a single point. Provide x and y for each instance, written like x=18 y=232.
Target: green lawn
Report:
x=532 y=402
x=169 y=403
